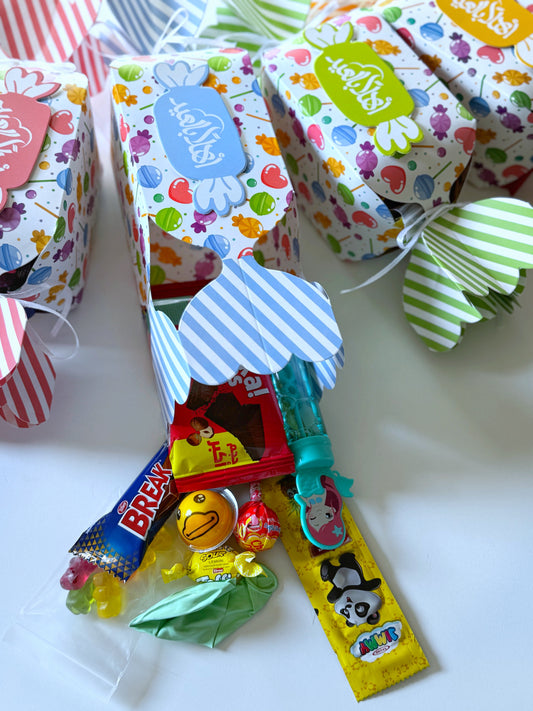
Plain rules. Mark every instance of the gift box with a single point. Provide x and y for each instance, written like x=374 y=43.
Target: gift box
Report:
x=211 y=214
x=48 y=188
x=366 y=129
x=485 y=59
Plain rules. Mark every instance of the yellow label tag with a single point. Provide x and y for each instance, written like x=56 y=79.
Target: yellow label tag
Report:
x=499 y=23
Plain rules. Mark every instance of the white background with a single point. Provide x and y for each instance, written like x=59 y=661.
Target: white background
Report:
x=440 y=447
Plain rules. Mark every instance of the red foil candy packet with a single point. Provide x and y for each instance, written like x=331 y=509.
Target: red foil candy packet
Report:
x=228 y=434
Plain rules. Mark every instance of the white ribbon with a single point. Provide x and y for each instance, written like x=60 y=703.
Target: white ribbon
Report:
x=415 y=222
x=173 y=36
x=23 y=296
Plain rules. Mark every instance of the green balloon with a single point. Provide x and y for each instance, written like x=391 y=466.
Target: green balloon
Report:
x=75 y=278
x=262 y=203
x=169 y=219
x=496 y=155
x=292 y=165
x=219 y=64
x=310 y=105
x=46 y=143
x=157 y=274
x=130 y=72
x=391 y=14
x=346 y=194
x=521 y=100
x=335 y=246
x=125 y=162
x=259 y=257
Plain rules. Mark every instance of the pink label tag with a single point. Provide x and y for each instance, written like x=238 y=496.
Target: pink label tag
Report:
x=23 y=125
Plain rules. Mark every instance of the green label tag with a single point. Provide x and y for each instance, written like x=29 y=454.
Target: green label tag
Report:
x=361 y=85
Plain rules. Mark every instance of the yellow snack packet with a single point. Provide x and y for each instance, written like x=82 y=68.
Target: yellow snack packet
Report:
x=359 y=614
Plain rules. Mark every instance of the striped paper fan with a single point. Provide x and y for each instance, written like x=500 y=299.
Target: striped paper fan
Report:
x=466 y=266
x=45 y=29
x=26 y=394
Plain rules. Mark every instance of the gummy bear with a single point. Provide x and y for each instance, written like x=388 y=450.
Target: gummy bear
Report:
x=108 y=593
x=77 y=573
x=79 y=600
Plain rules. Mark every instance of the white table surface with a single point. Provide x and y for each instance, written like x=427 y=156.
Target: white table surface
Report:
x=441 y=449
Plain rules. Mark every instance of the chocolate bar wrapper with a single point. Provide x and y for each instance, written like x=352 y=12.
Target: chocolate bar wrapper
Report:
x=118 y=541
x=229 y=434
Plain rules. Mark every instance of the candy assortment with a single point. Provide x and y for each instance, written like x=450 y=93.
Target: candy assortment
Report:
x=370 y=121
x=230 y=587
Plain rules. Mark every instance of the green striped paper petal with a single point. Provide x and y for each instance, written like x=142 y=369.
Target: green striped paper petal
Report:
x=250 y=23
x=433 y=303
x=484 y=245
x=467 y=266
x=489 y=306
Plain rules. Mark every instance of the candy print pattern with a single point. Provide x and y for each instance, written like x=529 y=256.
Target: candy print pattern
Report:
x=491 y=82
x=188 y=243
x=345 y=185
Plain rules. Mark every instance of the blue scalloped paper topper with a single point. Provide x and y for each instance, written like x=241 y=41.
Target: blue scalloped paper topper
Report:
x=248 y=317
x=326 y=370
x=199 y=137
x=256 y=318
x=171 y=369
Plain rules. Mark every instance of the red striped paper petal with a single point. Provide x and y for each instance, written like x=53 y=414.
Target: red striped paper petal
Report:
x=12 y=328
x=29 y=391
x=88 y=59
x=45 y=29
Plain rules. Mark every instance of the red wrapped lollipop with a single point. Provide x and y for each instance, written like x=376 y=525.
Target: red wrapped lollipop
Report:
x=257 y=525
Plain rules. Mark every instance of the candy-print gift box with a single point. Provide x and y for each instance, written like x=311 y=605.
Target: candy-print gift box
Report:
x=187 y=240
x=211 y=214
x=353 y=164
x=48 y=180
x=484 y=53
x=48 y=186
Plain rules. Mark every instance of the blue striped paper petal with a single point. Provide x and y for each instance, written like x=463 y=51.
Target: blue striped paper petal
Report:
x=143 y=21
x=170 y=363
x=256 y=318
x=326 y=370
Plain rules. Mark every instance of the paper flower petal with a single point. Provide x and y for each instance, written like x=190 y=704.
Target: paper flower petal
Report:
x=13 y=321
x=170 y=363
x=434 y=305
x=483 y=246
x=256 y=318
x=326 y=370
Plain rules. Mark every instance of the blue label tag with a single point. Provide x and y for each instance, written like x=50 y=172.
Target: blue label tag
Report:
x=199 y=137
